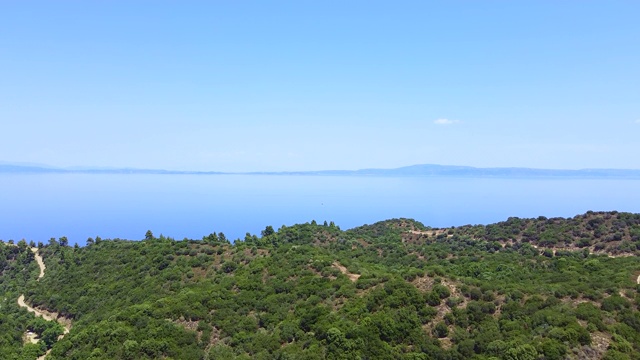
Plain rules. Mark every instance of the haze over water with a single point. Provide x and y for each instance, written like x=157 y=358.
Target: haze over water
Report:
x=304 y=86
x=38 y=207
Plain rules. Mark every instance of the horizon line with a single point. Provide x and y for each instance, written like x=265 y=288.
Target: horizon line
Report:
x=80 y=169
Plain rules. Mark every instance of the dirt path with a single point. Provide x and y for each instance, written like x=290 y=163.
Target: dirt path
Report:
x=40 y=262
x=49 y=316
x=37 y=312
x=351 y=276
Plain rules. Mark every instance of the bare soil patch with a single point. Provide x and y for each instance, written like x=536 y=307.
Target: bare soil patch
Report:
x=351 y=276
x=30 y=337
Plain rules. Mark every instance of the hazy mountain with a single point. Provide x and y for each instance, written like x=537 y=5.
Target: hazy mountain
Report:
x=408 y=171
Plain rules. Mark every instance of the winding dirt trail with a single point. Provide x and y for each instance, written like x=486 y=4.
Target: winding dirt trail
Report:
x=49 y=316
x=39 y=261
x=44 y=314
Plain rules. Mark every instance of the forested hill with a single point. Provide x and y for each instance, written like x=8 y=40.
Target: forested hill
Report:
x=520 y=289
x=612 y=233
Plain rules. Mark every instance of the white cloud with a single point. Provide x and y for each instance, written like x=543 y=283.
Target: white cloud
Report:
x=445 y=122
x=637 y=121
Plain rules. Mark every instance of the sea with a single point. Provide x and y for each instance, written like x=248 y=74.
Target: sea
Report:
x=41 y=206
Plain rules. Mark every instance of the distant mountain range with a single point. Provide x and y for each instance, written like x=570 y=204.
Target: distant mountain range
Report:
x=424 y=170
x=34 y=169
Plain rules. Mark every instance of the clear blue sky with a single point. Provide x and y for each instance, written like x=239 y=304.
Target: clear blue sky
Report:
x=302 y=85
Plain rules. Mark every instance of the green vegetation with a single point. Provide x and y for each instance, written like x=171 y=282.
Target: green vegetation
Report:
x=519 y=289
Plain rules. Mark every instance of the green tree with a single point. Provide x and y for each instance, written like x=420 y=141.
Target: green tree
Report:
x=522 y=352
x=268 y=231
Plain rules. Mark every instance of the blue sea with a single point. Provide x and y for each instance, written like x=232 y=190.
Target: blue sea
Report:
x=40 y=206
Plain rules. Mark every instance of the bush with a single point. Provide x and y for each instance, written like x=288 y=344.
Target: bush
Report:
x=441 y=330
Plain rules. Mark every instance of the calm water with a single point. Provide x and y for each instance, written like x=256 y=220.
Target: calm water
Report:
x=37 y=207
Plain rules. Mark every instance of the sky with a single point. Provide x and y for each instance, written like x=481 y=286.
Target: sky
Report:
x=311 y=85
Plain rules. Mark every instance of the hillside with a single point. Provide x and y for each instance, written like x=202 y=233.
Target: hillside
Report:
x=397 y=289
x=606 y=233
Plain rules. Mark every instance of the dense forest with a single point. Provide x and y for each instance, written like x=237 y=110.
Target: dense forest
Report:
x=544 y=288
